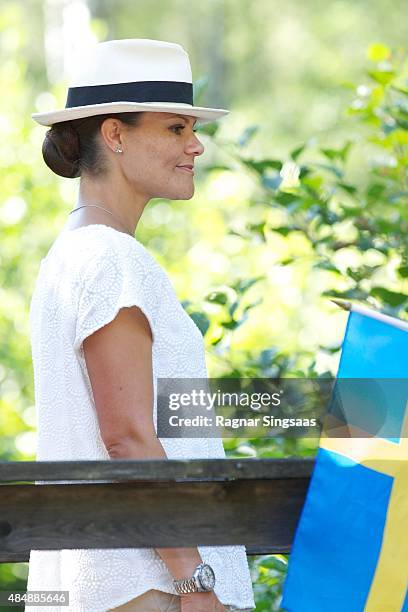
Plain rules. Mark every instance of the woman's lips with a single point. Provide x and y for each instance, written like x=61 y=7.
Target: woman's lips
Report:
x=186 y=169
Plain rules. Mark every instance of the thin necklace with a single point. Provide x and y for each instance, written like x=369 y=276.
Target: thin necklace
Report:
x=106 y=210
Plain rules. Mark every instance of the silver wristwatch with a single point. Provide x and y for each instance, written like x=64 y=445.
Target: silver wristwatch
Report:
x=203 y=579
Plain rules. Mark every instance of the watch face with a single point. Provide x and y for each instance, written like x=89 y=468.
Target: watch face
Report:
x=207 y=577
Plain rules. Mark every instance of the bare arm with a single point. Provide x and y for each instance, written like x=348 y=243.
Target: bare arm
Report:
x=119 y=362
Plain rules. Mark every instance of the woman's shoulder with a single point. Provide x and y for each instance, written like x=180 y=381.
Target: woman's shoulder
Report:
x=97 y=235
x=100 y=245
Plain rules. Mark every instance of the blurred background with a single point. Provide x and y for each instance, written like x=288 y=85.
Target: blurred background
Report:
x=300 y=195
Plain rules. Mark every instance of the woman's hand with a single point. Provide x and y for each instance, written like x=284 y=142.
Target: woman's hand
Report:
x=201 y=602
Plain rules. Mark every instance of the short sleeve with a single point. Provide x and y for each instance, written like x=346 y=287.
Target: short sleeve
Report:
x=119 y=273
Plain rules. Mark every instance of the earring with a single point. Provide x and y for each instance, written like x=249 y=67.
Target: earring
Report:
x=118 y=149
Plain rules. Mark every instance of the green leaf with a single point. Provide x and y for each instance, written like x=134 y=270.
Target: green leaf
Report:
x=349 y=188
x=258 y=229
x=382 y=76
x=389 y=297
x=243 y=285
x=355 y=294
x=230 y=324
x=287 y=262
x=294 y=154
x=217 y=297
x=216 y=167
x=403 y=271
x=285 y=198
x=349 y=211
x=216 y=341
x=272 y=562
x=263 y=164
x=282 y=230
x=340 y=153
x=326 y=265
x=201 y=320
x=375 y=190
x=249 y=306
x=233 y=308
x=330 y=349
x=384 y=226
x=330 y=153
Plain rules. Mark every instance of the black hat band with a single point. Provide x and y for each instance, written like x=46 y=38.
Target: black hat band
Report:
x=141 y=91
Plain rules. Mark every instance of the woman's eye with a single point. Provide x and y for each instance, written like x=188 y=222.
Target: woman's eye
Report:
x=179 y=127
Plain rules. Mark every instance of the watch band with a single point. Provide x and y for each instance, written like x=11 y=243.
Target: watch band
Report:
x=185 y=585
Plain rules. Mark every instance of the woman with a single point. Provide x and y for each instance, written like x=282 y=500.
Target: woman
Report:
x=105 y=321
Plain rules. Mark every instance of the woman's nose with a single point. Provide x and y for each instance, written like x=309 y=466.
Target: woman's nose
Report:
x=195 y=146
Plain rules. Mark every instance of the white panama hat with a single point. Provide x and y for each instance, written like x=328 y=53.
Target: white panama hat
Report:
x=130 y=75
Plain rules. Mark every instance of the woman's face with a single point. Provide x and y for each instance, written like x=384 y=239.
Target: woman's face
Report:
x=152 y=152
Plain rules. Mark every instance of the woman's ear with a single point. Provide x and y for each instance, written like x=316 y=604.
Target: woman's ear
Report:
x=111 y=130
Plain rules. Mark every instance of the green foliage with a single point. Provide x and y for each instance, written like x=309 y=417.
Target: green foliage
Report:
x=268 y=573
x=341 y=221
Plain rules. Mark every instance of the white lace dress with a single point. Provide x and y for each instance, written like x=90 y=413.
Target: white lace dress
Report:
x=88 y=274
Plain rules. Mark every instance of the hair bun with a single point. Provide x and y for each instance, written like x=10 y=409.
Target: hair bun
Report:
x=61 y=150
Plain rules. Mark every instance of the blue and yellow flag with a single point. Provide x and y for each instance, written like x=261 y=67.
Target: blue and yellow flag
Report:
x=350 y=552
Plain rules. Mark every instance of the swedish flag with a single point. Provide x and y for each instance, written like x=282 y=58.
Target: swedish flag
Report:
x=350 y=552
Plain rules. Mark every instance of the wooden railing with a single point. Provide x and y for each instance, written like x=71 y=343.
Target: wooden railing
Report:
x=150 y=503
